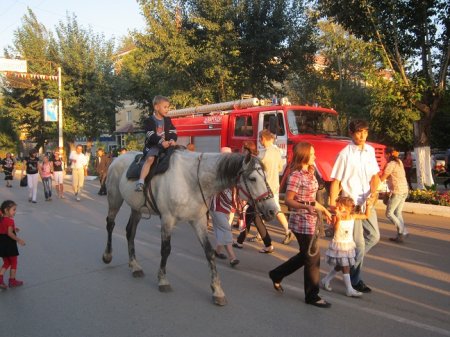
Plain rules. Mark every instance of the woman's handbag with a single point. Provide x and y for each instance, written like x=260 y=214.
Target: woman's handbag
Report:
x=24 y=181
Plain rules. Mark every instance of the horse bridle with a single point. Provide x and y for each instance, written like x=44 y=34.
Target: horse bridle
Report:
x=265 y=196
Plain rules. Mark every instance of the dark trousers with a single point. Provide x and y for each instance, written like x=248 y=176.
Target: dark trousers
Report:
x=102 y=178
x=251 y=216
x=302 y=259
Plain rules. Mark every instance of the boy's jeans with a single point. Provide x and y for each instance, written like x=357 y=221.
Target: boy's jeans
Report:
x=366 y=235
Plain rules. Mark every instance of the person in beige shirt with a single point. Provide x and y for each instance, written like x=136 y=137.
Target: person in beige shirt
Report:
x=273 y=162
x=394 y=173
x=79 y=162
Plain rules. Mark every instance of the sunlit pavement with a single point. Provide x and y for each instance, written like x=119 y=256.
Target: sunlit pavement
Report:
x=68 y=290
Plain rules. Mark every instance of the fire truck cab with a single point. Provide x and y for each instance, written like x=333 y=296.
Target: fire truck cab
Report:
x=210 y=127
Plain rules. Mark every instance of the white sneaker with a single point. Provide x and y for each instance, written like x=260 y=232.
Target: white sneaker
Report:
x=78 y=199
x=325 y=285
x=353 y=293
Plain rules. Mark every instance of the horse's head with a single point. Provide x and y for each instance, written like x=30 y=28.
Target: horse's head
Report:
x=253 y=187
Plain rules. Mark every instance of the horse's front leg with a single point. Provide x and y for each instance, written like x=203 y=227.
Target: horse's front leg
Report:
x=107 y=254
x=113 y=209
x=166 y=233
x=133 y=221
x=200 y=227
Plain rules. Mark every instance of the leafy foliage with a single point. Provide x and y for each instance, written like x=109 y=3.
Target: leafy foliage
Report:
x=413 y=37
x=89 y=92
x=202 y=51
x=24 y=106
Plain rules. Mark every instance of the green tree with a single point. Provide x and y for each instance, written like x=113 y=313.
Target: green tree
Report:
x=338 y=78
x=90 y=94
x=24 y=100
x=90 y=90
x=441 y=124
x=185 y=52
x=202 y=51
x=413 y=37
x=275 y=41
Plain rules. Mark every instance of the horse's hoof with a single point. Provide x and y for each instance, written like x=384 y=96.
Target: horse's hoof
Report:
x=107 y=258
x=138 y=273
x=220 y=301
x=165 y=288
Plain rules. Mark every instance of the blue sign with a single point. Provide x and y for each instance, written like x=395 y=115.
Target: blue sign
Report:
x=50 y=110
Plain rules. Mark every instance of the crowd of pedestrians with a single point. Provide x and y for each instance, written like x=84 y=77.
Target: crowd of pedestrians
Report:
x=353 y=194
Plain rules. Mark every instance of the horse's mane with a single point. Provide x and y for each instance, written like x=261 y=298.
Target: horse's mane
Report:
x=230 y=165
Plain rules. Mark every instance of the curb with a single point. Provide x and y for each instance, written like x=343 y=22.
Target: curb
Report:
x=424 y=209
x=88 y=178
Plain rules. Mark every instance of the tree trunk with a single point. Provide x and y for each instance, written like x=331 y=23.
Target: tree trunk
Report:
x=422 y=129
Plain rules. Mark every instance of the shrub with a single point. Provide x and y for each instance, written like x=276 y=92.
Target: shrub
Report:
x=429 y=196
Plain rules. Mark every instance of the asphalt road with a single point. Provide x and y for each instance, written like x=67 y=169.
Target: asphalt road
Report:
x=69 y=291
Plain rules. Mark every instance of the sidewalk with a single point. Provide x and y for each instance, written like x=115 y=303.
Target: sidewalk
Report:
x=416 y=208
x=426 y=209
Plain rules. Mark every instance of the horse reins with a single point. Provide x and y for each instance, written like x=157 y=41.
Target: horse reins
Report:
x=200 y=185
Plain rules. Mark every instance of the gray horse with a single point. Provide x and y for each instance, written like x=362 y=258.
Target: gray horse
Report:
x=182 y=194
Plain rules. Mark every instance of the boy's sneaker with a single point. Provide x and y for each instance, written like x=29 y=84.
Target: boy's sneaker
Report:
x=15 y=283
x=139 y=187
x=2 y=284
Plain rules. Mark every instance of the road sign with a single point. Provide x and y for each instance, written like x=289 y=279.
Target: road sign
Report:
x=50 y=110
x=13 y=65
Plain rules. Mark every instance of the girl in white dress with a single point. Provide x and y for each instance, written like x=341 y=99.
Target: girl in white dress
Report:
x=341 y=252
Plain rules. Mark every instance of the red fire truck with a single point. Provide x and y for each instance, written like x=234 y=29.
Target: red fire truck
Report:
x=210 y=127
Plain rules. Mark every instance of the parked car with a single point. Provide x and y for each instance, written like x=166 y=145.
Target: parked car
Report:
x=438 y=160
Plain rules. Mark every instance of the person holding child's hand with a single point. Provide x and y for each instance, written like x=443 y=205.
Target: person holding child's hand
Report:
x=300 y=197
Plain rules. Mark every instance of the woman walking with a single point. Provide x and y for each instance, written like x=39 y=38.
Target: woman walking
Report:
x=58 y=173
x=46 y=172
x=8 y=169
x=394 y=173
x=31 y=164
x=301 y=192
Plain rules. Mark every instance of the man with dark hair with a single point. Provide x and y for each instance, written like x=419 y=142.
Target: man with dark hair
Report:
x=355 y=173
x=102 y=163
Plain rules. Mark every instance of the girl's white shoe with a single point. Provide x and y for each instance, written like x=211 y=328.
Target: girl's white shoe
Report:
x=325 y=285
x=353 y=293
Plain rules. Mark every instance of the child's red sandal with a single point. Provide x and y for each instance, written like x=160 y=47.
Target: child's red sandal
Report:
x=15 y=283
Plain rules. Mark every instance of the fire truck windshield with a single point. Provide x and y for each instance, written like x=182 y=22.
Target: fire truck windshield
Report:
x=312 y=122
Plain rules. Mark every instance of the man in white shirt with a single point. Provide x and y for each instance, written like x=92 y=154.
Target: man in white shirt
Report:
x=273 y=162
x=356 y=173
x=79 y=164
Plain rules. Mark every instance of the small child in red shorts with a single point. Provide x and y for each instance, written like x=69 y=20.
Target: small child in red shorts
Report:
x=8 y=243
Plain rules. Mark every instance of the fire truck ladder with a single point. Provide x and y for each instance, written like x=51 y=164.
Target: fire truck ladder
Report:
x=218 y=107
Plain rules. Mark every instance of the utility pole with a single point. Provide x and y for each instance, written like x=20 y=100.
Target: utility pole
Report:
x=60 y=113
